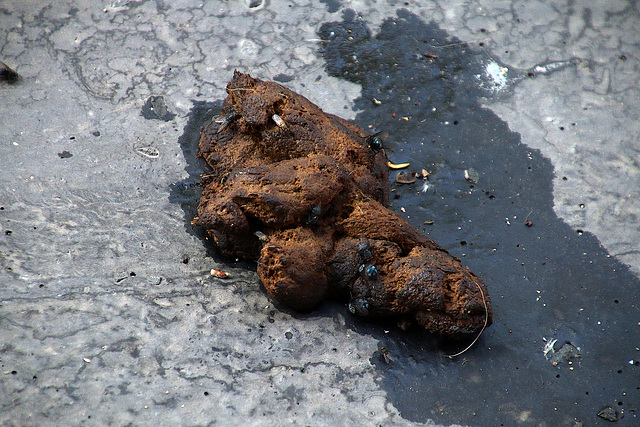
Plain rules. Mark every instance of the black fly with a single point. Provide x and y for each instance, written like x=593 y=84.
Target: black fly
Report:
x=315 y=214
x=228 y=119
x=374 y=142
x=384 y=354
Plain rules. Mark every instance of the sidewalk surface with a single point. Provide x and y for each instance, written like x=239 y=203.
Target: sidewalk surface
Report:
x=525 y=114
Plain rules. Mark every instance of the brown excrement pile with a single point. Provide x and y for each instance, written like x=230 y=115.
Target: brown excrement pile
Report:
x=304 y=194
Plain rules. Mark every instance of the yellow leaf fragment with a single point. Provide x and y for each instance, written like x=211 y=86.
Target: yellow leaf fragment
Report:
x=398 y=165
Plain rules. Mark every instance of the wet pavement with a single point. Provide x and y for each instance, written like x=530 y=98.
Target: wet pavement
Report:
x=523 y=114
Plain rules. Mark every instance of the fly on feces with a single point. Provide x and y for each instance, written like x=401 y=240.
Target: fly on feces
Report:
x=375 y=141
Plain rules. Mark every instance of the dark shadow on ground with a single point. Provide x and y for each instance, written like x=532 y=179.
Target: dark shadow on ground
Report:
x=546 y=280
x=187 y=191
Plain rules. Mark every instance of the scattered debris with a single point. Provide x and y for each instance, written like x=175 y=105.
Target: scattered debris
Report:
x=283 y=78
x=221 y=274
x=149 y=152
x=406 y=178
x=566 y=353
x=487 y=322
x=471 y=175
x=155 y=108
x=608 y=413
x=398 y=165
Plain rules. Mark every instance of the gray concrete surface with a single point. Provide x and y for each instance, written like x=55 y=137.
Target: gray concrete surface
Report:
x=107 y=312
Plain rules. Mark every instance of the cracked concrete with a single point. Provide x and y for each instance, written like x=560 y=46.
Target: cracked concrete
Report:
x=107 y=312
